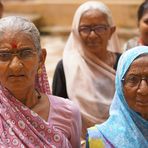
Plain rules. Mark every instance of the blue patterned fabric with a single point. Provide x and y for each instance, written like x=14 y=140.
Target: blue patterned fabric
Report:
x=124 y=128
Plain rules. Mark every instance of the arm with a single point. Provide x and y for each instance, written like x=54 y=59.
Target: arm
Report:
x=59 y=83
x=65 y=116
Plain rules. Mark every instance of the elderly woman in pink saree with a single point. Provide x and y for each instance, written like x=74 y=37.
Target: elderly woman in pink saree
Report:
x=29 y=115
x=86 y=73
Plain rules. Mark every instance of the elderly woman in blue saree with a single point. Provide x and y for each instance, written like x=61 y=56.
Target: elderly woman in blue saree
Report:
x=127 y=126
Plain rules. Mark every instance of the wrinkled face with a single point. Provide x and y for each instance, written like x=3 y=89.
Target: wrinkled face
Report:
x=143 y=28
x=19 y=61
x=94 y=30
x=136 y=86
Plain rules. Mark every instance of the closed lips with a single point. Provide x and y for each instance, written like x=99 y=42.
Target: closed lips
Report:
x=144 y=103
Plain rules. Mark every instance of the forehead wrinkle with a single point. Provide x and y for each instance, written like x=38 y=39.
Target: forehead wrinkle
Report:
x=17 y=38
x=139 y=66
x=93 y=17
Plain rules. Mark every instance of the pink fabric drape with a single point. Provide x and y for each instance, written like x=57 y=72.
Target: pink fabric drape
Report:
x=21 y=127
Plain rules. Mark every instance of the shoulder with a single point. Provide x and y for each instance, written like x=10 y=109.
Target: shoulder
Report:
x=93 y=132
x=117 y=56
x=134 y=39
x=94 y=138
x=131 y=43
x=65 y=115
x=59 y=70
x=60 y=64
x=65 y=105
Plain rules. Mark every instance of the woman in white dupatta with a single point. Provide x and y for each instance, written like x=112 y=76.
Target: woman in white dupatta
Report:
x=89 y=58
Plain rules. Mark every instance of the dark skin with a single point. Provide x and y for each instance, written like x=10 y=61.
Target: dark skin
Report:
x=137 y=97
x=18 y=75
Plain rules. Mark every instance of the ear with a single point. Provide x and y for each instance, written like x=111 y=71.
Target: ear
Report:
x=42 y=57
x=112 y=30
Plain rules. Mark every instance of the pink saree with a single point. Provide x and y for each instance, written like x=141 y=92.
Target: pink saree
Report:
x=20 y=127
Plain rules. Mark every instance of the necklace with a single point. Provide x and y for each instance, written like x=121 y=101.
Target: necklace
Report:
x=38 y=93
x=38 y=98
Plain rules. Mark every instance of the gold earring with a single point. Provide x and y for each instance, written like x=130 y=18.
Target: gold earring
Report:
x=39 y=71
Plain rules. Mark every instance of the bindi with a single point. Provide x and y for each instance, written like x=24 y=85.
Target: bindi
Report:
x=14 y=44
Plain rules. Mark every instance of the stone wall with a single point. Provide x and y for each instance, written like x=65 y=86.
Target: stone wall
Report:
x=56 y=16
x=60 y=12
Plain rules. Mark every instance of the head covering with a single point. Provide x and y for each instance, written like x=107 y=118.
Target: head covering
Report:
x=21 y=127
x=90 y=84
x=124 y=128
x=42 y=81
x=113 y=44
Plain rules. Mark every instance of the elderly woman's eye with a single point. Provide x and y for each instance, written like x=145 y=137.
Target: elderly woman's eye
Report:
x=27 y=53
x=85 y=30
x=100 y=29
x=133 y=79
x=5 y=56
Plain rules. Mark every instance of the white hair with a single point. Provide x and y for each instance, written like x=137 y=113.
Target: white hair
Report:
x=95 y=5
x=20 y=24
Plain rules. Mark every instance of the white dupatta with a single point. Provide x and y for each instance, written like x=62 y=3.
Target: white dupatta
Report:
x=88 y=84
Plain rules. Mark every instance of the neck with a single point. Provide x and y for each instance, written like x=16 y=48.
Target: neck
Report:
x=30 y=97
x=145 y=116
x=102 y=55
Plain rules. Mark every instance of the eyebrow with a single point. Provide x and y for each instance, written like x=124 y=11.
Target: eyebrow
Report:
x=89 y=26
x=10 y=51
x=26 y=48
x=6 y=50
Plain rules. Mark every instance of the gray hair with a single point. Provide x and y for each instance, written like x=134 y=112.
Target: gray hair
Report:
x=20 y=24
x=91 y=5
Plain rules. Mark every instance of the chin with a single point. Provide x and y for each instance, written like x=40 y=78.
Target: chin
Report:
x=145 y=42
x=93 y=44
x=145 y=116
x=143 y=113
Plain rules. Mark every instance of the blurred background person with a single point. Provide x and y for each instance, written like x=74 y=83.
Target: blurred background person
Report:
x=142 y=18
x=87 y=71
